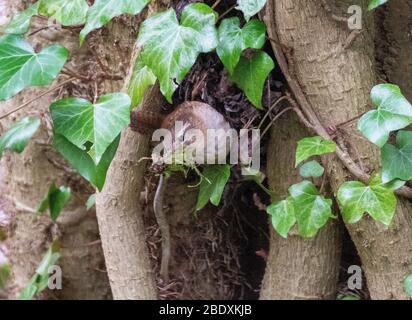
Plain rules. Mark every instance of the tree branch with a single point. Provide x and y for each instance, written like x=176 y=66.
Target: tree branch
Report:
x=60 y=85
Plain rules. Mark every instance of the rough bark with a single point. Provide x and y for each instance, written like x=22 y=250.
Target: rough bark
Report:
x=336 y=77
x=395 y=44
x=297 y=268
x=120 y=218
x=25 y=181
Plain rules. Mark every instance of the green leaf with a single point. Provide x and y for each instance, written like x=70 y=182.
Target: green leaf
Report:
x=311 y=169
x=283 y=216
x=394 y=112
x=103 y=11
x=200 y=19
x=213 y=184
x=18 y=136
x=250 y=75
x=55 y=200
x=250 y=7
x=50 y=258
x=312 y=210
x=82 y=123
x=233 y=40
x=21 y=67
x=20 y=23
x=373 y=4
x=83 y=163
x=91 y=202
x=313 y=146
x=377 y=199
x=142 y=78
x=170 y=49
x=5 y=273
x=30 y=290
x=40 y=279
x=397 y=159
x=407 y=285
x=66 y=12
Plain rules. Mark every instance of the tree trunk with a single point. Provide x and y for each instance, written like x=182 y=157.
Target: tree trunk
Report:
x=336 y=76
x=394 y=44
x=297 y=268
x=119 y=213
x=121 y=219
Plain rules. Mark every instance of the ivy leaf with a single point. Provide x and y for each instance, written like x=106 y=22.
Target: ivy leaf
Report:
x=142 y=78
x=397 y=159
x=103 y=11
x=311 y=169
x=170 y=49
x=55 y=201
x=66 y=12
x=250 y=7
x=283 y=216
x=81 y=122
x=407 y=285
x=312 y=210
x=250 y=75
x=91 y=202
x=377 y=199
x=213 y=184
x=233 y=40
x=21 y=67
x=20 y=23
x=81 y=161
x=313 y=146
x=18 y=136
x=202 y=19
x=40 y=279
x=394 y=112
x=373 y=4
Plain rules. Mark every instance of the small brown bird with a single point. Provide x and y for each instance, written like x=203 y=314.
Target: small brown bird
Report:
x=197 y=114
x=189 y=115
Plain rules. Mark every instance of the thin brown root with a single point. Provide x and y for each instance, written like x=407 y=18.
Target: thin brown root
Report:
x=164 y=227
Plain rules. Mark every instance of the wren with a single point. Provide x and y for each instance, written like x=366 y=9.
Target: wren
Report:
x=212 y=130
x=196 y=115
